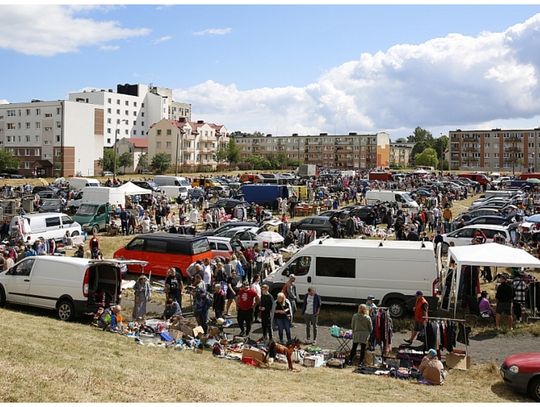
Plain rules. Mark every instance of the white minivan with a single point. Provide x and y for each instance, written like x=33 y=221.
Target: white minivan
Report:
x=172 y=180
x=464 y=235
x=48 y=225
x=71 y=286
x=78 y=183
x=402 y=198
x=346 y=271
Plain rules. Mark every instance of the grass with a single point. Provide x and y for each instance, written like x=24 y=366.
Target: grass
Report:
x=46 y=360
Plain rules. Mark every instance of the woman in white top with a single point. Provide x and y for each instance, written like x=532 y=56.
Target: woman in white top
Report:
x=257 y=287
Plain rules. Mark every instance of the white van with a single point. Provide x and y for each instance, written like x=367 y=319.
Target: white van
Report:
x=71 y=286
x=402 y=198
x=48 y=225
x=173 y=192
x=346 y=271
x=77 y=183
x=113 y=196
x=172 y=180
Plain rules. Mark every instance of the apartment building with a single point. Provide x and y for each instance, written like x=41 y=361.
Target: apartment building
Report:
x=400 y=154
x=189 y=144
x=332 y=151
x=132 y=109
x=495 y=150
x=53 y=138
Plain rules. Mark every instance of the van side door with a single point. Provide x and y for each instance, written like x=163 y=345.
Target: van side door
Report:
x=18 y=283
x=335 y=279
x=52 y=225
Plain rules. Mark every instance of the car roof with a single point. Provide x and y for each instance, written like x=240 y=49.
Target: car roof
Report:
x=484 y=226
x=169 y=236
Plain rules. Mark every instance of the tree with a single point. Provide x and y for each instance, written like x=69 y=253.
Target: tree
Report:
x=222 y=153
x=125 y=160
x=233 y=151
x=401 y=140
x=440 y=145
x=7 y=160
x=419 y=135
x=428 y=157
x=161 y=162
x=142 y=165
x=417 y=149
x=107 y=161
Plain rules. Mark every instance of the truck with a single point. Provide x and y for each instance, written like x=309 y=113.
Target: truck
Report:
x=307 y=170
x=95 y=209
x=265 y=194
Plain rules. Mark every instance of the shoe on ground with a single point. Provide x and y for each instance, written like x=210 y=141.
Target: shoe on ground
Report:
x=242 y=334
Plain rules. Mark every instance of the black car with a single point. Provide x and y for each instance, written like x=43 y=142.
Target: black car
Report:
x=489 y=220
x=51 y=205
x=320 y=224
x=47 y=194
x=229 y=204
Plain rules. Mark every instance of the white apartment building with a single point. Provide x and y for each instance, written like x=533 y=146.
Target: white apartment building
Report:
x=53 y=138
x=136 y=148
x=189 y=143
x=132 y=109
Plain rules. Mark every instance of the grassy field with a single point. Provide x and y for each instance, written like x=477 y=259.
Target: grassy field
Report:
x=45 y=360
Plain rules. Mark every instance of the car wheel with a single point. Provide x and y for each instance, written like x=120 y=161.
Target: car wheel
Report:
x=2 y=296
x=396 y=307
x=65 y=310
x=75 y=233
x=95 y=229
x=534 y=389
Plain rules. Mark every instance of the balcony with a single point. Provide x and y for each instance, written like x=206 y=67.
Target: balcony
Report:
x=513 y=139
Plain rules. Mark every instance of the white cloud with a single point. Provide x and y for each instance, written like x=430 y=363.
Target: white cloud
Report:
x=163 y=39
x=449 y=82
x=109 y=48
x=3 y=102
x=214 y=31
x=50 y=29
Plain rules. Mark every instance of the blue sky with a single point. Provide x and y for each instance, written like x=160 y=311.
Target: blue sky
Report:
x=284 y=69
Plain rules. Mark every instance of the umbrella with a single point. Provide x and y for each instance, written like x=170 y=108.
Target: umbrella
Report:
x=269 y=237
x=533 y=218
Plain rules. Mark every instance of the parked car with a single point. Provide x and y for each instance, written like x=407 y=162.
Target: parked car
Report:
x=229 y=204
x=320 y=224
x=221 y=246
x=489 y=220
x=51 y=205
x=522 y=373
x=227 y=226
x=107 y=173
x=464 y=236
x=46 y=194
x=247 y=236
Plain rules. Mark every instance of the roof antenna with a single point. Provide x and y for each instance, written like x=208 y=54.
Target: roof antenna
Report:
x=423 y=245
x=380 y=244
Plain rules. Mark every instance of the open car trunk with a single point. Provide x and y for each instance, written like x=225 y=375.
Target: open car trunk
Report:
x=104 y=284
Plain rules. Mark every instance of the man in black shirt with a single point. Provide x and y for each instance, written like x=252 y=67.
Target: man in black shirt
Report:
x=504 y=296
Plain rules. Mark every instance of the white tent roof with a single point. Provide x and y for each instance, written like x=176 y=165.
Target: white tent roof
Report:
x=129 y=188
x=492 y=254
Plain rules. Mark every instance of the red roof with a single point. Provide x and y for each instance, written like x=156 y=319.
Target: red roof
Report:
x=139 y=142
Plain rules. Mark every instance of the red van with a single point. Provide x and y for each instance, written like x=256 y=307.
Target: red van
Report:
x=526 y=175
x=480 y=178
x=164 y=250
x=380 y=176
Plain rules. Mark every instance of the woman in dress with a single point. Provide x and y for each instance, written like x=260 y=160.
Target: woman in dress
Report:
x=142 y=296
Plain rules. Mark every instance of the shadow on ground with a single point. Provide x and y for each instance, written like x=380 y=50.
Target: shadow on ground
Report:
x=505 y=393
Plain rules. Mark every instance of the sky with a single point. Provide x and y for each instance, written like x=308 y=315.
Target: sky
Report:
x=285 y=69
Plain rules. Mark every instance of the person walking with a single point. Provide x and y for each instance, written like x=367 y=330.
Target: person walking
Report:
x=289 y=290
x=420 y=316
x=310 y=310
x=266 y=306
x=219 y=301
x=245 y=303
x=143 y=292
x=361 y=326
x=504 y=297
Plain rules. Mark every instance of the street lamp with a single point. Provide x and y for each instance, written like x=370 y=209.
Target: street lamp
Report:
x=114 y=147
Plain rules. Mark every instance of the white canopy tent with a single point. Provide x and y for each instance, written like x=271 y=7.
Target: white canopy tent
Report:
x=488 y=254
x=129 y=188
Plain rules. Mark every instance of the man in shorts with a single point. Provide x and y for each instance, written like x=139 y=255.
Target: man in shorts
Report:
x=504 y=296
x=420 y=316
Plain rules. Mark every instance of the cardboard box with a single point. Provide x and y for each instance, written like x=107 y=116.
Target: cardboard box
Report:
x=198 y=330
x=255 y=354
x=313 y=361
x=458 y=361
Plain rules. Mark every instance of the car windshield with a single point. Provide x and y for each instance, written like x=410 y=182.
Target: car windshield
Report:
x=407 y=197
x=184 y=183
x=87 y=210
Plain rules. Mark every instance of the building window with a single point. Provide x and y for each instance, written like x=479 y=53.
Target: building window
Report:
x=28 y=112
x=108 y=130
x=169 y=132
x=168 y=145
x=134 y=122
x=58 y=125
x=117 y=121
x=142 y=114
x=109 y=100
x=158 y=145
x=58 y=139
x=11 y=113
x=126 y=112
x=11 y=126
x=37 y=139
x=109 y=120
x=27 y=125
x=126 y=132
x=142 y=123
x=118 y=102
x=38 y=125
x=38 y=111
x=134 y=113
x=127 y=103
x=108 y=141
x=159 y=132
x=48 y=129
x=142 y=104
x=57 y=110
x=117 y=111
x=27 y=139
x=109 y=110
x=134 y=132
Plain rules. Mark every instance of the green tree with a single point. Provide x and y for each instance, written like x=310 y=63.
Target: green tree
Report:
x=427 y=157
x=7 y=160
x=233 y=151
x=440 y=145
x=259 y=163
x=107 y=161
x=417 y=149
x=125 y=160
x=419 y=135
x=142 y=165
x=222 y=153
x=401 y=140
x=161 y=162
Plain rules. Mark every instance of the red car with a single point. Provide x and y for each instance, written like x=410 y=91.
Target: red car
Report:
x=522 y=373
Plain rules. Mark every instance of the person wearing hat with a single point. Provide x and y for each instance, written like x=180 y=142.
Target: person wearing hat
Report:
x=421 y=308
x=142 y=296
x=246 y=300
x=432 y=369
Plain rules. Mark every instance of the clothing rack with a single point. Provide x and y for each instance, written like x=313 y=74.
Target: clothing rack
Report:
x=453 y=320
